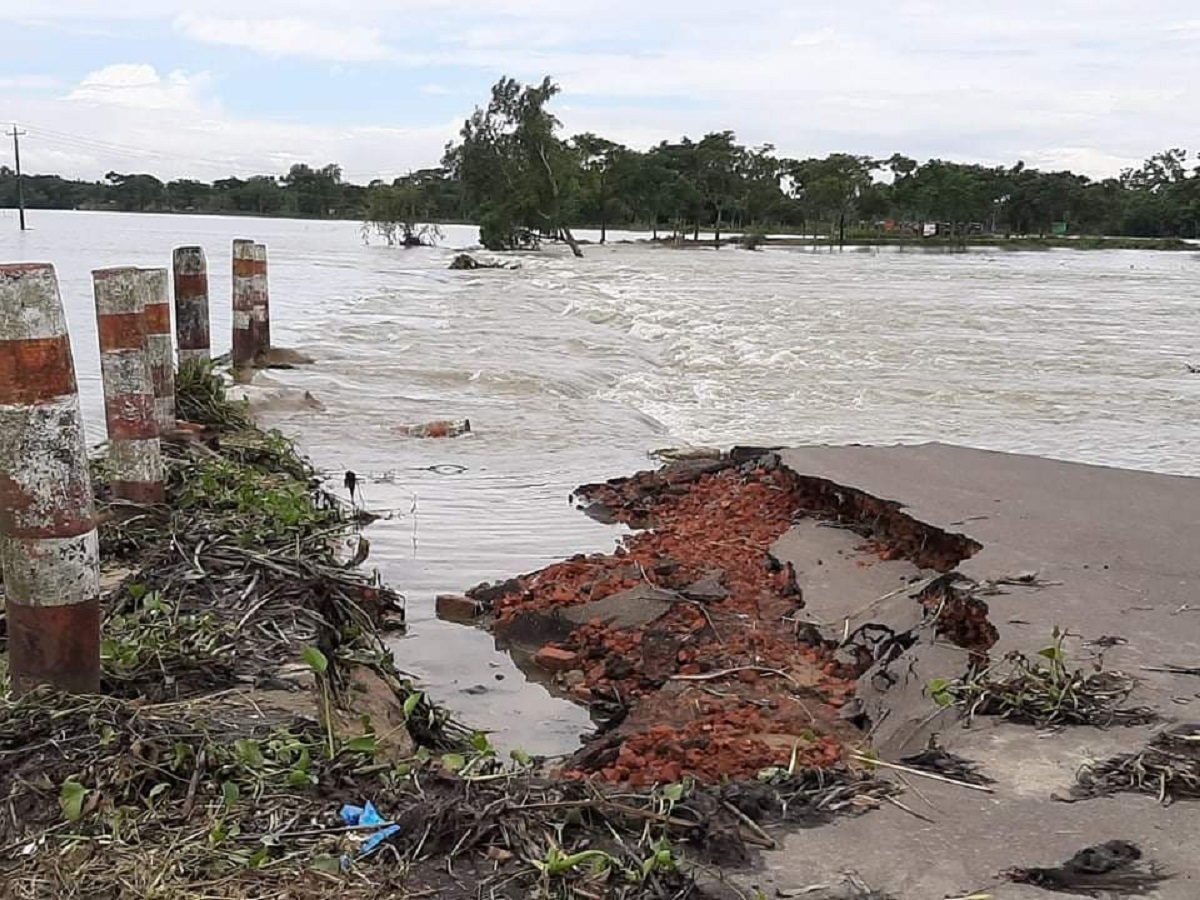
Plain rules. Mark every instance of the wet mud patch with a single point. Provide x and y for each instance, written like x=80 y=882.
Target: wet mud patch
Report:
x=689 y=643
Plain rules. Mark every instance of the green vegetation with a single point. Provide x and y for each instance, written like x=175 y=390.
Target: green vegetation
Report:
x=1044 y=692
x=522 y=181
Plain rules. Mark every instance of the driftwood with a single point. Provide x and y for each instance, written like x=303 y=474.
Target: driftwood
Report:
x=466 y=262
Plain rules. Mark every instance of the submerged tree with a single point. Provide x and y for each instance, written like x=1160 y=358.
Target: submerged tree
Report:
x=514 y=170
x=394 y=212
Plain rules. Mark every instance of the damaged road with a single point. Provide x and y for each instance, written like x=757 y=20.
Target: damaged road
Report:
x=825 y=607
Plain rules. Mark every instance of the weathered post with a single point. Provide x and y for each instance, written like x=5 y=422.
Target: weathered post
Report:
x=129 y=405
x=244 y=348
x=159 y=355
x=48 y=547
x=191 y=305
x=262 y=305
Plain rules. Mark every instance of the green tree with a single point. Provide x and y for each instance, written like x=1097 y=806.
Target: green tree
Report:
x=522 y=180
x=136 y=193
x=718 y=161
x=314 y=192
x=832 y=187
x=395 y=211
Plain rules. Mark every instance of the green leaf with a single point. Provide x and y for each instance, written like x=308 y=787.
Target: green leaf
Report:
x=519 y=756
x=368 y=743
x=327 y=865
x=411 y=702
x=299 y=779
x=1054 y=654
x=71 y=798
x=937 y=686
x=480 y=742
x=673 y=792
x=943 y=699
x=249 y=753
x=315 y=660
x=230 y=793
x=454 y=762
x=258 y=858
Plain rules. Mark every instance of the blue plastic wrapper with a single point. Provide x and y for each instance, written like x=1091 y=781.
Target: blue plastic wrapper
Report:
x=368 y=815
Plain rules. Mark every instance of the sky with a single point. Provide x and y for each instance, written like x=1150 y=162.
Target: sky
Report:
x=241 y=87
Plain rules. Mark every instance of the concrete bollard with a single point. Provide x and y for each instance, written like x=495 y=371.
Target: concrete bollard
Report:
x=191 y=305
x=244 y=348
x=261 y=312
x=159 y=355
x=129 y=405
x=48 y=547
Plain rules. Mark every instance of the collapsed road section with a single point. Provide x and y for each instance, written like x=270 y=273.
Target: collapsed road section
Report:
x=692 y=644
x=1017 y=635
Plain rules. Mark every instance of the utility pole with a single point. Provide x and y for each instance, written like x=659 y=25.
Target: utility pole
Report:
x=16 y=136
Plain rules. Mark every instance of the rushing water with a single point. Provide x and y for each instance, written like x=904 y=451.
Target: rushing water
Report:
x=570 y=370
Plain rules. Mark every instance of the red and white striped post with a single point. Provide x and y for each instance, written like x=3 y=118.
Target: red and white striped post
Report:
x=244 y=348
x=48 y=546
x=129 y=405
x=159 y=355
x=191 y=305
x=262 y=305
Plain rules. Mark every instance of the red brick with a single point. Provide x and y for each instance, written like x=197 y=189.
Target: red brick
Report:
x=555 y=659
x=456 y=608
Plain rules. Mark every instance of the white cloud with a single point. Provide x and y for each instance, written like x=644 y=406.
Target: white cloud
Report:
x=276 y=38
x=1090 y=83
x=139 y=86
x=129 y=118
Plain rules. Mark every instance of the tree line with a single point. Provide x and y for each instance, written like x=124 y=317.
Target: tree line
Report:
x=514 y=173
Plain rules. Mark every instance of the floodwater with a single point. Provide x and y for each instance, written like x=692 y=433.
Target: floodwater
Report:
x=571 y=370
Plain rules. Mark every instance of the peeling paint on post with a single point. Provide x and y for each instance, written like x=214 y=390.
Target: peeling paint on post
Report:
x=191 y=305
x=159 y=355
x=129 y=404
x=261 y=313
x=48 y=546
x=244 y=349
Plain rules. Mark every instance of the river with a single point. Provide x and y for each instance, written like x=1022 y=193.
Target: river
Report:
x=571 y=370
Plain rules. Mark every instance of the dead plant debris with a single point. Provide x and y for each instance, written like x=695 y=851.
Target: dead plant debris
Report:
x=1044 y=692
x=1111 y=869
x=1168 y=768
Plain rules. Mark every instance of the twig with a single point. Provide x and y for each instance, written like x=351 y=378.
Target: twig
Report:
x=190 y=801
x=712 y=676
x=870 y=760
x=767 y=841
x=908 y=809
x=1173 y=669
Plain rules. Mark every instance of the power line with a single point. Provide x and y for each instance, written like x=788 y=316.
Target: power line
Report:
x=142 y=154
x=15 y=134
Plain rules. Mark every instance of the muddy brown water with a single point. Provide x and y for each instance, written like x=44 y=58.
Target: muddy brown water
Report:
x=570 y=371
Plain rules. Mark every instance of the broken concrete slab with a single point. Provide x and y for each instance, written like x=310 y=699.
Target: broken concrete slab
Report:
x=709 y=589
x=631 y=610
